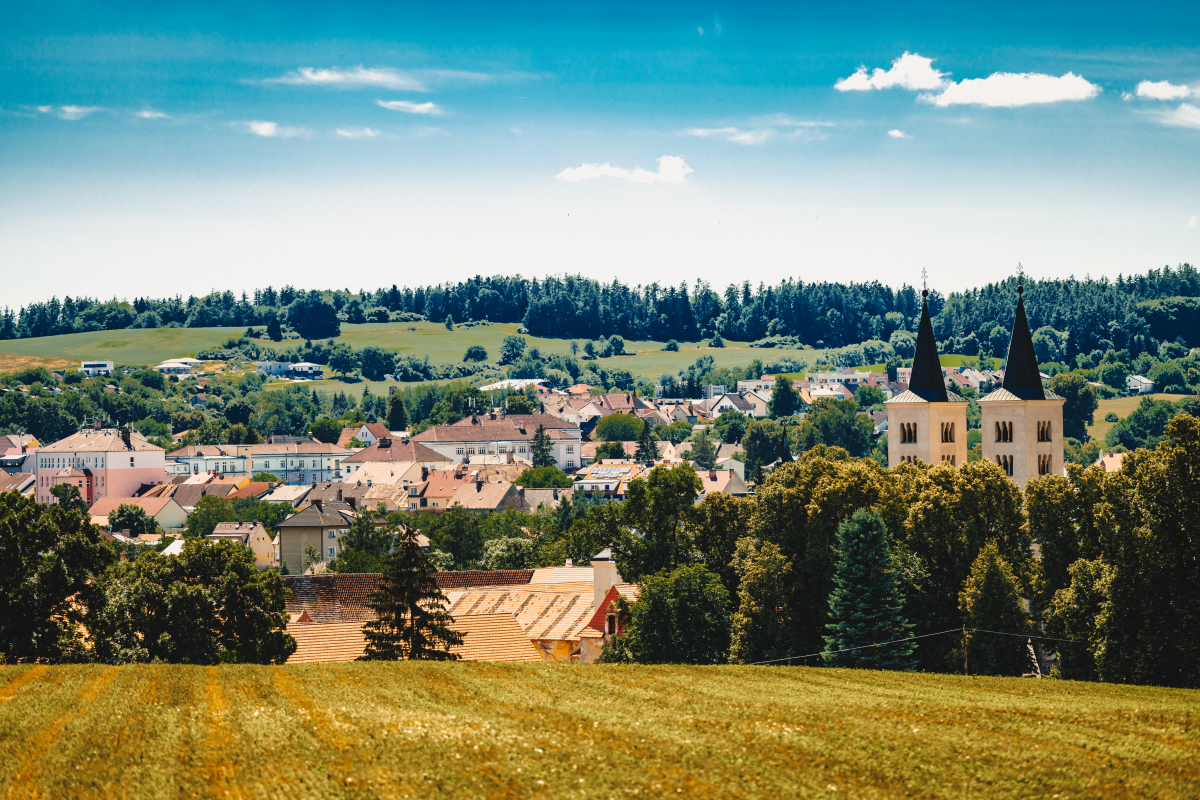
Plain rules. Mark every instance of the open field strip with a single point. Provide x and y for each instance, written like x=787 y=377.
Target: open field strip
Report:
x=1122 y=407
x=503 y=730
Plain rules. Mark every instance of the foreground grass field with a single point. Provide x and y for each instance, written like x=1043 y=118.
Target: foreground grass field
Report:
x=496 y=730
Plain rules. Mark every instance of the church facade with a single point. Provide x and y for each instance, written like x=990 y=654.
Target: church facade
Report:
x=1022 y=421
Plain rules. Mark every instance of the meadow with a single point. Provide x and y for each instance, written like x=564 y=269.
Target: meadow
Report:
x=1122 y=407
x=519 y=730
x=137 y=347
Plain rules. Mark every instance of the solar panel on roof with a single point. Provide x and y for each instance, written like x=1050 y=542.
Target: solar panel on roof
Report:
x=609 y=472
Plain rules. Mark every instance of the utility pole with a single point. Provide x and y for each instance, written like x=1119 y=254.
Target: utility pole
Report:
x=965 y=649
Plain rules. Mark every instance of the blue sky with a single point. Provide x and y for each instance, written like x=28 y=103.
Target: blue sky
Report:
x=152 y=150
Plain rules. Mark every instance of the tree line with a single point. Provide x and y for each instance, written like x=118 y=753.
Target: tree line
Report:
x=1134 y=313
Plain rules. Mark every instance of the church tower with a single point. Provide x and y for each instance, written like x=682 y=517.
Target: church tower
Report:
x=927 y=422
x=1022 y=420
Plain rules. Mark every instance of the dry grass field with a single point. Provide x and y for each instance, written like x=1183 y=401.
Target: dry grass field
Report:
x=1122 y=407
x=515 y=731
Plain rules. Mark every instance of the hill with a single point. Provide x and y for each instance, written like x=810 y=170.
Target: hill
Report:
x=505 y=730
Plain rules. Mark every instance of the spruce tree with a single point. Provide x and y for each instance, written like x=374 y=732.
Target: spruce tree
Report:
x=991 y=600
x=703 y=451
x=646 y=449
x=397 y=414
x=540 y=454
x=784 y=400
x=411 y=621
x=864 y=607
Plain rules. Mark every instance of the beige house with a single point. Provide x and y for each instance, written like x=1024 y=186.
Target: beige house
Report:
x=251 y=534
x=321 y=526
x=169 y=515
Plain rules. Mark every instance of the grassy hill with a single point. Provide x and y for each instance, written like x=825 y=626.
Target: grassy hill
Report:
x=141 y=346
x=1122 y=407
x=502 y=730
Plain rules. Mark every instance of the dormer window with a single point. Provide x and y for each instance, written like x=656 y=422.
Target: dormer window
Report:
x=610 y=624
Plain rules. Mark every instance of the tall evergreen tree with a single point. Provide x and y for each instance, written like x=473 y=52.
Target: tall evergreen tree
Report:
x=410 y=617
x=646 y=449
x=784 y=400
x=397 y=414
x=991 y=600
x=864 y=607
x=540 y=454
x=703 y=451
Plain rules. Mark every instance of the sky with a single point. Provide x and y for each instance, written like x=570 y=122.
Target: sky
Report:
x=155 y=149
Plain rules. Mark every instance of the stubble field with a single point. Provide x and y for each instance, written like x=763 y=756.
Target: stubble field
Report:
x=503 y=730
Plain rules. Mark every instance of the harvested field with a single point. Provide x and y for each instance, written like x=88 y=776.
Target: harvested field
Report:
x=511 y=730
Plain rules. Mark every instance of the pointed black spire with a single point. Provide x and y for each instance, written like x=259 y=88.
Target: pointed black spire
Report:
x=785 y=452
x=926 y=380
x=1021 y=374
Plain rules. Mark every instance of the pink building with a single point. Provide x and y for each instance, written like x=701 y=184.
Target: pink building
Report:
x=102 y=463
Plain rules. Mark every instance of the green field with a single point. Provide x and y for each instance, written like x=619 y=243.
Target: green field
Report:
x=1122 y=407
x=140 y=347
x=515 y=731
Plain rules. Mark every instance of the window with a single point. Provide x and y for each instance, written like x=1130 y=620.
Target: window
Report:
x=1043 y=433
x=521 y=448
x=1005 y=463
x=1044 y=463
x=332 y=534
x=570 y=448
x=470 y=451
x=570 y=465
x=333 y=551
x=948 y=460
x=131 y=461
x=458 y=451
x=1004 y=432
x=501 y=448
x=908 y=433
x=610 y=624
x=947 y=431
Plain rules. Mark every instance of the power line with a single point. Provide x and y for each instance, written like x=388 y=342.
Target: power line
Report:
x=914 y=638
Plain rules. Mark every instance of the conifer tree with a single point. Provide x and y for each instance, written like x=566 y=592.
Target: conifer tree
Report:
x=703 y=451
x=864 y=607
x=397 y=414
x=991 y=600
x=540 y=454
x=646 y=449
x=784 y=400
x=411 y=621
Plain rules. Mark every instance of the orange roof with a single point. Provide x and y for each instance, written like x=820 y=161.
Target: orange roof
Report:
x=1111 y=461
x=486 y=637
x=151 y=505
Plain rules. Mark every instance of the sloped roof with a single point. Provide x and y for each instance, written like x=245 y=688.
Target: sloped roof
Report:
x=252 y=490
x=1021 y=374
x=394 y=451
x=187 y=495
x=317 y=643
x=331 y=597
x=482 y=577
x=563 y=575
x=151 y=505
x=107 y=440
x=482 y=496
x=543 y=612
x=926 y=380
x=12 y=482
x=486 y=637
x=909 y=396
x=1004 y=395
x=329 y=515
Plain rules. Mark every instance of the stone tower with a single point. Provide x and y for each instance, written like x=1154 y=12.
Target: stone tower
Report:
x=927 y=422
x=1022 y=420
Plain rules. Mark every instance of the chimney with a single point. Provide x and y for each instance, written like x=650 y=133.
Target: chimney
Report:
x=522 y=426
x=568 y=563
x=384 y=441
x=318 y=504
x=424 y=473
x=479 y=485
x=340 y=493
x=712 y=474
x=353 y=502
x=604 y=575
x=124 y=431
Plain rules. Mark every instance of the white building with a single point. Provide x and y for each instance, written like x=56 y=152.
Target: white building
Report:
x=302 y=463
x=478 y=436
x=222 y=458
x=104 y=462
x=1138 y=384
x=96 y=368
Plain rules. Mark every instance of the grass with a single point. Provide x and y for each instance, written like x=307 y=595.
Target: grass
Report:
x=135 y=347
x=514 y=731
x=1122 y=407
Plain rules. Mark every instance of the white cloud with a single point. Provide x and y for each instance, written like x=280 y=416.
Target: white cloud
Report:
x=909 y=71
x=1194 y=222
x=1162 y=90
x=1010 y=89
x=352 y=78
x=409 y=107
x=898 y=134
x=357 y=133
x=152 y=114
x=272 y=130
x=732 y=134
x=671 y=169
x=70 y=112
x=1186 y=116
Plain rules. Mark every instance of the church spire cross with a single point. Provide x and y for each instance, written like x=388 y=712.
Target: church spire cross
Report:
x=924 y=282
x=1020 y=278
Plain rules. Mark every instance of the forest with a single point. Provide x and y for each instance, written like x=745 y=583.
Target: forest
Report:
x=1084 y=314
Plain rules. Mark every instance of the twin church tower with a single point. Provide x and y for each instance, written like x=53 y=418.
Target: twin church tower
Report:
x=1022 y=421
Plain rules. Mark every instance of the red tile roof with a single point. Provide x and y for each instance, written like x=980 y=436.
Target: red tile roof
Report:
x=480 y=577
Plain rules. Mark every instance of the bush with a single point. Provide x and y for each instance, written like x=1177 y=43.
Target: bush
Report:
x=1110 y=417
x=544 y=478
x=475 y=352
x=672 y=346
